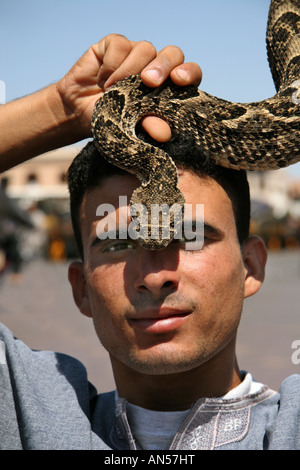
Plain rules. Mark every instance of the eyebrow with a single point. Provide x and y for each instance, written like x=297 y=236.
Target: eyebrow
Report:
x=213 y=231
x=207 y=229
x=115 y=234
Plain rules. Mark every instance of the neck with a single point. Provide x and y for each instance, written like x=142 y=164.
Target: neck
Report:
x=176 y=392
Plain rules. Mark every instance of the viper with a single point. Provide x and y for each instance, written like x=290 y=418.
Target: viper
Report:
x=244 y=136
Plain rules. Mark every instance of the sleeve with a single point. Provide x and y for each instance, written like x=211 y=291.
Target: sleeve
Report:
x=44 y=398
x=286 y=433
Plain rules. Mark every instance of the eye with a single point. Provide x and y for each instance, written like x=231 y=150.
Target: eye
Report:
x=117 y=246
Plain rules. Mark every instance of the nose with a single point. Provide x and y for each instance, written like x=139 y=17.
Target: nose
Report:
x=156 y=272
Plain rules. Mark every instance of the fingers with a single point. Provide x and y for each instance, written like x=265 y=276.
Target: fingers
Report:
x=157 y=128
x=187 y=74
x=119 y=57
x=111 y=52
x=160 y=68
x=170 y=62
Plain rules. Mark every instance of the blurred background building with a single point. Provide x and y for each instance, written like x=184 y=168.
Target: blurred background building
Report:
x=37 y=208
x=275 y=201
x=37 y=192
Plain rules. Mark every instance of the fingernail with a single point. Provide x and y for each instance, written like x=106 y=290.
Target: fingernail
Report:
x=183 y=74
x=154 y=75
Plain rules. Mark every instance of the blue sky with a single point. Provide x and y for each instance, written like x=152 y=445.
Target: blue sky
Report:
x=40 y=40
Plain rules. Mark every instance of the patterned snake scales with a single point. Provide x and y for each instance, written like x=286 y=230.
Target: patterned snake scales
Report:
x=254 y=136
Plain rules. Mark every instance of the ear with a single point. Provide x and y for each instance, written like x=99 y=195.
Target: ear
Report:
x=79 y=288
x=254 y=254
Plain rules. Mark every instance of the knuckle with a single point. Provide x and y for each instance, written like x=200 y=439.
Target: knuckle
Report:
x=148 y=47
x=113 y=36
x=119 y=42
x=174 y=51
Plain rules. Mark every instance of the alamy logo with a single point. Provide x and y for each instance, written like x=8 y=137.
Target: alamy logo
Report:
x=2 y=92
x=190 y=228
x=296 y=354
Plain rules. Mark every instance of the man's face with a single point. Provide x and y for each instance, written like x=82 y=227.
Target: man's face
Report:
x=169 y=310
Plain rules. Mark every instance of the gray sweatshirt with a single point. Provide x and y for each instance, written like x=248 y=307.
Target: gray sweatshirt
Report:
x=47 y=403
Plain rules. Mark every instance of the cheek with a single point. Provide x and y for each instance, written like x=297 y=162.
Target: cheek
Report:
x=220 y=291
x=105 y=288
x=106 y=304
x=219 y=274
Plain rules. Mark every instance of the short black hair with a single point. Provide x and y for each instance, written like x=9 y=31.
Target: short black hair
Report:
x=89 y=167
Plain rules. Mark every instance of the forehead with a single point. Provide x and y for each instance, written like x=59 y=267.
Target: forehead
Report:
x=196 y=189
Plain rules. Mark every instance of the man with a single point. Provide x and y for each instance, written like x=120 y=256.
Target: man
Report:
x=59 y=115
x=169 y=320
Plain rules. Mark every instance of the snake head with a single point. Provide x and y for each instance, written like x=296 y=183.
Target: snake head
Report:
x=156 y=215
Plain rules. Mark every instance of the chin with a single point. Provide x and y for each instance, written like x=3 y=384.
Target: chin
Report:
x=158 y=364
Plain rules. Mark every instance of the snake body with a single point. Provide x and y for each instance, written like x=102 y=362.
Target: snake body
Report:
x=251 y=136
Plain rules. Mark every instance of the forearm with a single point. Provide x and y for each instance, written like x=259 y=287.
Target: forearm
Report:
x=35 y=124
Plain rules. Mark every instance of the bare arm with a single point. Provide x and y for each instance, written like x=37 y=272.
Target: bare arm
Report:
x=60 y=114
x=31 y=125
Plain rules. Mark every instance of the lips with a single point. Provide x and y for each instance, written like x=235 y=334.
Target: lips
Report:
x=161 y=320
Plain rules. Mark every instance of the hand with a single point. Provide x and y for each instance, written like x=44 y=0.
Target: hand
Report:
x=112 y=59
x=60 y=114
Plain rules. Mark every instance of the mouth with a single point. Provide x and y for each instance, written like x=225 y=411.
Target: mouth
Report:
x=160 y=321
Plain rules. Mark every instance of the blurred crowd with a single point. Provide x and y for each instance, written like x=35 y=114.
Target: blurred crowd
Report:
x=31 y=230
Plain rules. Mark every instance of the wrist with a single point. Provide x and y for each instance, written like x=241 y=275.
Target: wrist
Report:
x=36 y=124
x=68 y=125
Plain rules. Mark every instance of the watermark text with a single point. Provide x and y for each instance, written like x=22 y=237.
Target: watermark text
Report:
x=158 y=223
x=2 y=92
x=296 y=354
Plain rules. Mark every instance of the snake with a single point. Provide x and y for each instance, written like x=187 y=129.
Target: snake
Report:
x=257 y=136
